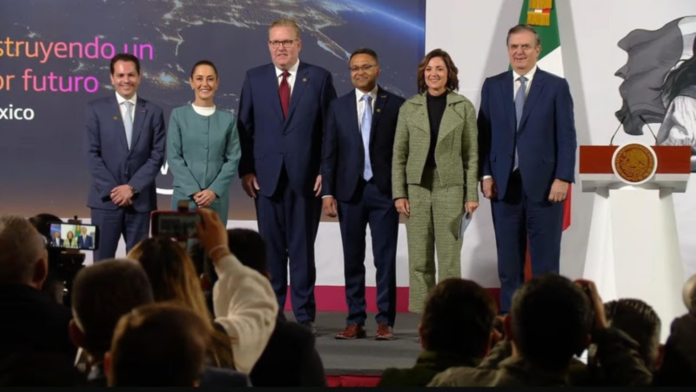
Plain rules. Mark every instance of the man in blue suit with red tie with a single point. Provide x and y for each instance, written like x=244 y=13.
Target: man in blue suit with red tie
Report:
x=282 y=110
x=356 y=174
x=125 y=149
x=527 y=145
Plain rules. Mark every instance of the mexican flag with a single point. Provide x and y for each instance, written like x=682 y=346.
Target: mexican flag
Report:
x=541 y=14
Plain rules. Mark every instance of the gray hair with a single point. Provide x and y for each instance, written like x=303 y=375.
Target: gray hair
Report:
x=21 y=247
x=520 y=28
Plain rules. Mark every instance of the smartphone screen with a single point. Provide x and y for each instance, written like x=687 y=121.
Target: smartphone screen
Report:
x=73 y=236
x=180 y=225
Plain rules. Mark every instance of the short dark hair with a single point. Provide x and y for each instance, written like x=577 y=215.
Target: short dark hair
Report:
x=520 y=28
x=458 y=317
x=204 y=62
x=101 y=294
x=366 y=51
x=249 y=247
x=550 y=321
x=124 y=57
x=452 y=70
x=160 y=344
x=640 y=321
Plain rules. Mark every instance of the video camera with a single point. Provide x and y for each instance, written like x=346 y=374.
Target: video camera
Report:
x=64 y=243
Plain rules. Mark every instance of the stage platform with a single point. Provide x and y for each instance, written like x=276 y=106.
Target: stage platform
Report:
x=365 y=357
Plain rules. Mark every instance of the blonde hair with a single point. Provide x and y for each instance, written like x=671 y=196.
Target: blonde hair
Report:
x=286 y=22
x=173 y=278
x=22 y=248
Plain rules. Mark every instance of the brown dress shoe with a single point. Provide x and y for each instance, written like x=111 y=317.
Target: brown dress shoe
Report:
x=353 y=331
x=384 y=332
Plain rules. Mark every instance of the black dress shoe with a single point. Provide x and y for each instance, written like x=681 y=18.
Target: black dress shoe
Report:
x=310 y=325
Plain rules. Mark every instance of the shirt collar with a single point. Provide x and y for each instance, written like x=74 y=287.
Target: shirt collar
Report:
x=359 y=94
x=529 y=75
x=121 y=100
x=292 y=70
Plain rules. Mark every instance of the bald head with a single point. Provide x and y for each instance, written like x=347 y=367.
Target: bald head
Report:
x=23 y=257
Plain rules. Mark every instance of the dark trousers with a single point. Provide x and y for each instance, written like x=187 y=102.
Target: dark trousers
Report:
x=372 y=207
x=289 y=222
x=133 y=225
x=515 y=219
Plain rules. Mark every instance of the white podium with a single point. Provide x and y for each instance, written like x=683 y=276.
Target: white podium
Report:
x=633 y=247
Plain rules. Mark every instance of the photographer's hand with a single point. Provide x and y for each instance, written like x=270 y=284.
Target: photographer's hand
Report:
x=600 y=320
x=212 y=234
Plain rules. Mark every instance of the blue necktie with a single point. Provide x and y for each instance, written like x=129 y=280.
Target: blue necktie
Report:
x=365 y=129
x=519 y=107
x=128 y=123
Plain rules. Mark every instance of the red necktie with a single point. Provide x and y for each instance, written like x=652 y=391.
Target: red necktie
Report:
x=284 y=92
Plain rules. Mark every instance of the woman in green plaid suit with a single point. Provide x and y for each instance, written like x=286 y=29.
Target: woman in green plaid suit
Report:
x=435 y=173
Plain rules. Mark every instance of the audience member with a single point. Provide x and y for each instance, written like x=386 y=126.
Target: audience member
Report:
x=550 y=322
x=158 y=345
x=679 y=363
x=32 y=321
x=39 y=370
x=290 y=358
x=456 y=330
x=102 y=293
x=173 y=278
x=244 y=303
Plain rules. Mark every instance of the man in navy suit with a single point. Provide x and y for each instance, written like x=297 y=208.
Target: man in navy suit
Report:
x=281 y=116
x=356 y=174
x=125 y=143
x=85 y=241
x=527 y=146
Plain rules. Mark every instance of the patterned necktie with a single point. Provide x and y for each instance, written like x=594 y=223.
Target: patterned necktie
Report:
x=365 y=129
x=128 y=123
x=519 y=108
x=284 y=92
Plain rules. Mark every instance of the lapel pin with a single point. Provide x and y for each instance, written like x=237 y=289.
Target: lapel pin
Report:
x=116 y=118
x=384 y=96
x=304 y=79
x=379 y=110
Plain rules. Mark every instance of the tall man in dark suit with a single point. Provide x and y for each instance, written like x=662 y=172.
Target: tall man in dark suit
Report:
x=356 y=174
x=84 y=241
x=125 y=143
x=527 y=146
x=281 y=116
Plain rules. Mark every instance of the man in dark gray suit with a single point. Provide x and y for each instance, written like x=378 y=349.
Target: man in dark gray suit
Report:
x=125 y=143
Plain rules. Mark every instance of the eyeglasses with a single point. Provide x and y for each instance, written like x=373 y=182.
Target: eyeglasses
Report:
x=286 y=44
x=362 y=68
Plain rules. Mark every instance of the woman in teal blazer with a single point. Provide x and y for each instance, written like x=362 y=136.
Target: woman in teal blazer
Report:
x=203 y=147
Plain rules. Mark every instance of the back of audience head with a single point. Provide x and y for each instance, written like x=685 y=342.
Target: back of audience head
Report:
x=458 y=318
x=171 y=273
x=23 y=259
x=549 y=321
x=250 y=249
x=640 y=321
x=101 y=294
x=142 y=351
x=173 y=279
x=689 y=295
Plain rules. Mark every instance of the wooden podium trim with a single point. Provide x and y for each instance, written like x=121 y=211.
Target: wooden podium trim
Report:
x=670 y=159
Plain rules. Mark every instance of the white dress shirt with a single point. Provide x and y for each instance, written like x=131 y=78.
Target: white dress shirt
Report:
x=122 y=107
x=291 y=78
x=515 y=78
x=361 y=104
